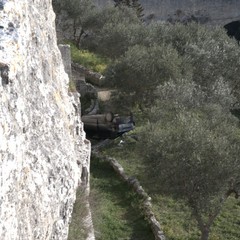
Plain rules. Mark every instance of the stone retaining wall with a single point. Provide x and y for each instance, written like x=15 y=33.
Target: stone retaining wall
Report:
x=136 y=186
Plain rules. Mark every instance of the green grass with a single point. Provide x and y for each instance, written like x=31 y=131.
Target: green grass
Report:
x=76 y=228
x=88 y=59
x=228 y=223
x=116 y=212
x=115 y=208
x=174 y=216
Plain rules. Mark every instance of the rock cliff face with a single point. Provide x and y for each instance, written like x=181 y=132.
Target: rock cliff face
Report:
x=44 y=155
x=220 y=12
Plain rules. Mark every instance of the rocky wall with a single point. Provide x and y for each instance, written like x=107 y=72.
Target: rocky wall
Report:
x=44 y=155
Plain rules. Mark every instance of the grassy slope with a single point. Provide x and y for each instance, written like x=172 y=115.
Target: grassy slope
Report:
x=174 y=216
x=88 y=59
x=76 y=228
x=115 y=207
x=116 y=215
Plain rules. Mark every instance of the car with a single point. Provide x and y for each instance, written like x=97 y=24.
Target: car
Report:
x=107 y=125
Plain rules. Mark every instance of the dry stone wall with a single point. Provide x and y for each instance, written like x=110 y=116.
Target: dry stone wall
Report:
x=135 y=184
x=44 y=155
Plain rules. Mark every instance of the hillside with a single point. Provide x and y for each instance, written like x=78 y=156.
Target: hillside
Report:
x=220 y=12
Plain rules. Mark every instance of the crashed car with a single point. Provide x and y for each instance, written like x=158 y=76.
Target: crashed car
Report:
x=107 y=125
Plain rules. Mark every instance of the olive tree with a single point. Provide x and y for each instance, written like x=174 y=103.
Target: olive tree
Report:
x=115 y=30
x=150 y=55
x=137 y=73
x=81 y=13
x=192 y=147
x=208 y=53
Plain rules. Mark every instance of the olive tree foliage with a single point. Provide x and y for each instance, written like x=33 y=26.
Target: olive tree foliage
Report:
x=192 y=147
x=108 y=31
x=142 y=68
x=81 y=13
x=168 y=51
x=208 y=54
x=115 y=30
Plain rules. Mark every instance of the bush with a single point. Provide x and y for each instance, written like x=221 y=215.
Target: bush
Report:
x=141 y=69
x=116 y=29
x=208 y=54
x=191 y=148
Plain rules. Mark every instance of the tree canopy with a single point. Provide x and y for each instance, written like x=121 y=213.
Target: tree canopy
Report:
x=192 y=146
x=81 y=12
x=115 y=30
x=140 y=70
x=169 y=51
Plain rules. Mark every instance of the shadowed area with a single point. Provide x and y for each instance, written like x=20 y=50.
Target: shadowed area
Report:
x=233 y=29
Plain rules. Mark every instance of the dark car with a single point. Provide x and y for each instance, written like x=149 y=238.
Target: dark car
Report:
x=107 y=125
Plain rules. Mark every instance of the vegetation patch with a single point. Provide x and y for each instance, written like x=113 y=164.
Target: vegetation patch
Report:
x=88 y=59
x=71 y=86
x=174 y=215
x=115 y=208
x=76 y=228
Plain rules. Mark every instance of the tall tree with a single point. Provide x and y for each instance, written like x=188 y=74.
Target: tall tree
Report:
x=115 y=30
x=191 y=148
x=137 y=73
x=81 y=12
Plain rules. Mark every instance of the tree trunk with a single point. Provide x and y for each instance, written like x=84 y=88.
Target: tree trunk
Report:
x=205 y=233
x=74 y=30
x=203 y=227
x=79 y=38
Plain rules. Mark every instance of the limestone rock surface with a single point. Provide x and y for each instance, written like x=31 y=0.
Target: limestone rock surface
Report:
x=44 y=155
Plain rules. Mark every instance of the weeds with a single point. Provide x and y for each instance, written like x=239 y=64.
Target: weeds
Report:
x=88 y=59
